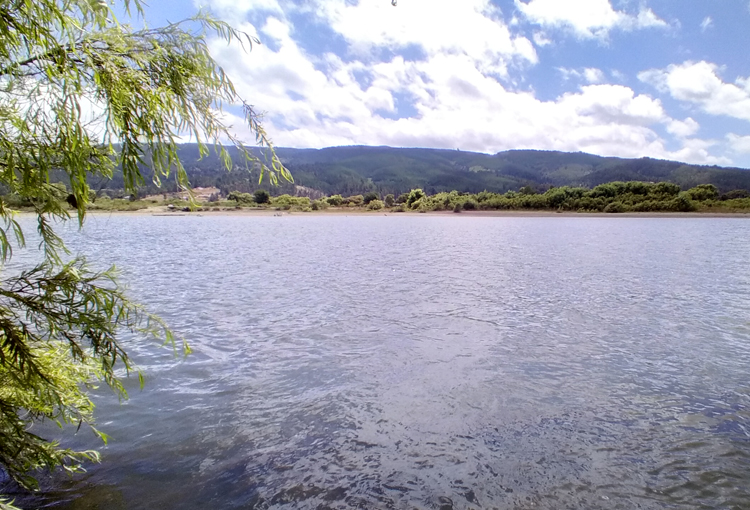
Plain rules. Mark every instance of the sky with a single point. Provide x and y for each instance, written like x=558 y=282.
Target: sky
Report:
x=667 y=79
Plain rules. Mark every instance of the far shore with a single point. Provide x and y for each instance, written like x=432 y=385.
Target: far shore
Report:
x=163 y=211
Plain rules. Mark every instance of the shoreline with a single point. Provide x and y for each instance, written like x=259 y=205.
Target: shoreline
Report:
x=162 y=211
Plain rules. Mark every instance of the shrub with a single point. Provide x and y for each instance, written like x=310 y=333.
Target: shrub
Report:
x=735 y=193
x=638 y=187
x=335 y=200
x=682 y=203
x=286 y=202
x=556 y=197
x=665 y=188
x=319 y=205
x=369 y=197
x=402 y=198
x=354 y=200
x=415 y=196
x=241 y=198
x=484 y=196
x=15 y=200
x=389 y=200
x=469 y=205
x=703 y=192
x=608 y=190
x=532 y=202
x=499 y=202
x=648 y=206
x=261 y=196
x=282 y=200
x=457 y=208
x=375 y=205
x=616 y=207
x=737 y=203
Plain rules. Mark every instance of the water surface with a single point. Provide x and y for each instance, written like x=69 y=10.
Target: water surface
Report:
x=428 y=362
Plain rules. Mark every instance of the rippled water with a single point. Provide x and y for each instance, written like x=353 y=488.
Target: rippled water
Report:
x=429 y=362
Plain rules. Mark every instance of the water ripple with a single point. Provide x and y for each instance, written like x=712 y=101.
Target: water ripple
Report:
x=429 y=362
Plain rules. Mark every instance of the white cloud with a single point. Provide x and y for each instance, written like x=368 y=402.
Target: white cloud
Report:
x=541 y=39
x=696 y=151
x=568 y=74
x=590 y=75
x=617 y=75
x=739 y=144
x=593 y=75
x=455 y=105
x=472 y=27
x=699 y=84
x=237 y=8
x=706 y=23
x=614 y=104
x=455 y=93
x=586 y=18
x=683 y=128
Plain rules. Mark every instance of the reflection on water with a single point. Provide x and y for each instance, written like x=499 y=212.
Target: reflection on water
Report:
x=429 y=362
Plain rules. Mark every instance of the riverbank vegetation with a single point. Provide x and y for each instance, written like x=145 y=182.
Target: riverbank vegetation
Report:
x=614 y=197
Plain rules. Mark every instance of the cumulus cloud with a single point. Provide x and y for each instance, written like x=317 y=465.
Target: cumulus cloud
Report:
x=541 y=39
x=698 y=83
x=454 y=103
x=739 y=144
x=593 y=75
x=587 y=74
x=473 y=28
x=235 y=8
x=695 y=150
x=586 y=18
x=617 y=75
x=682 y=128
x=454 y=92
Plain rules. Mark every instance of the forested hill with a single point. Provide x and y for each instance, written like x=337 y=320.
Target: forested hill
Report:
x=356 y=169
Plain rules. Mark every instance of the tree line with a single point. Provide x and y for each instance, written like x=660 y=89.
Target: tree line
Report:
x=612 y=197
x=351 y=171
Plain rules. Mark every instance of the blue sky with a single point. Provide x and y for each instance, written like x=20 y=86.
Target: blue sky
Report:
x=666 y=79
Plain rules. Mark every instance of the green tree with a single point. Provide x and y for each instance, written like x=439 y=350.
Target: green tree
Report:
x=82 y=93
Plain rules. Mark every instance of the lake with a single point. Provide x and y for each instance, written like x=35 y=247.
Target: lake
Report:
x=427 y=362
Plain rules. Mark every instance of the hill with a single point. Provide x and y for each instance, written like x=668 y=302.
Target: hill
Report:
x=359 y=169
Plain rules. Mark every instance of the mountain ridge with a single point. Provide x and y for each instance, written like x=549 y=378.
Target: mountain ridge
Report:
x=357 y=169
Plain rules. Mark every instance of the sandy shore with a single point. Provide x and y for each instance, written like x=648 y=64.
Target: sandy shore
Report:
x=163 y=211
